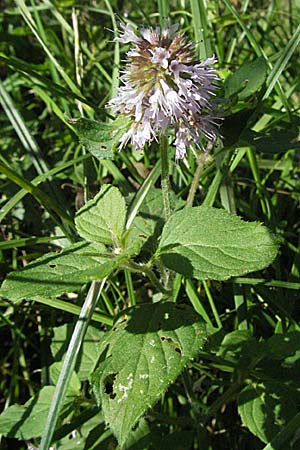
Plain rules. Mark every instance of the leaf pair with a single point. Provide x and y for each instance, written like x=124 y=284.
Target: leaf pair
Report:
x=200 y=242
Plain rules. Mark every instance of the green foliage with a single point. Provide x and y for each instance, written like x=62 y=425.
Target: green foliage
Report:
x=265 y=408
x=103 y=218
x=100 y=139
x=27 y=421
x=55 y=274
x=164 y=337
x=156 y=282
x=89 y=353
x=247 y=80
x=208 y=243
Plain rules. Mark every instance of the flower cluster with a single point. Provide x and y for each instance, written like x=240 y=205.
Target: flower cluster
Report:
x=163 y=87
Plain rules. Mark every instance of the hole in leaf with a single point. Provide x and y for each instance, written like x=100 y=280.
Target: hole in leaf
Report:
x=166 y=339
x=109 y=385
x=178 y=350
x=52 y=266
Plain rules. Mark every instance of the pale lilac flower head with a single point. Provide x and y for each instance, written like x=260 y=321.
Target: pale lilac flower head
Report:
x=164 y=87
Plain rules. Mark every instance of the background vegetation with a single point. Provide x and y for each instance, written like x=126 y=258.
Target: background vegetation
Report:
x=58 y=61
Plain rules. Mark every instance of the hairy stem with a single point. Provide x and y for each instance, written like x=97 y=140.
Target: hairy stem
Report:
x=195 y=183
x=165 y=182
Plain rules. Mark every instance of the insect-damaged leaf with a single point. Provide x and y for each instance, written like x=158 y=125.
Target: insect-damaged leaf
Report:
x=145 y=351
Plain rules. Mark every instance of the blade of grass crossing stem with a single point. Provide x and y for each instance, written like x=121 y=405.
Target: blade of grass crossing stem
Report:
x=200 y=22
x=69 y=362
x=282 y=61
x=195 y=301
x=213 y=189
x=164 y=11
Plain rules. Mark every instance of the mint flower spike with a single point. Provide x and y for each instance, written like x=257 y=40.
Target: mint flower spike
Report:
x=164 y=87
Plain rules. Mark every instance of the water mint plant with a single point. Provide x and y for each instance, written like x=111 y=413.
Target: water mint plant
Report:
x=150 y=275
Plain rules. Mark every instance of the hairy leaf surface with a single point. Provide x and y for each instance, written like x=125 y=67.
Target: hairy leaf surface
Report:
x=57 y=273
x=102 y=219
x=145 y=351
x=209 y=243
x=100 y=138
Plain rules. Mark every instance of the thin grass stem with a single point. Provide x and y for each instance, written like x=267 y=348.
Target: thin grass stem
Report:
x=70 y=361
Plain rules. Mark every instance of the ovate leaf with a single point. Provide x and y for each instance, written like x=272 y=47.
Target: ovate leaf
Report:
x=99 y=138
x=247 y=80
x=144 y=352
x=209 y=243
x=57 y=273
x=102 y=219
x=265 y=408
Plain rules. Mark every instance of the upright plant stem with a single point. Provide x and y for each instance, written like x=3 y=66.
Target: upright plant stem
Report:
x=69 y=362
x=195 y=183
x=165 y=181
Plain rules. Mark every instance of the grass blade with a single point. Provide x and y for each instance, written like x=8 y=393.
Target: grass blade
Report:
x=70 y=361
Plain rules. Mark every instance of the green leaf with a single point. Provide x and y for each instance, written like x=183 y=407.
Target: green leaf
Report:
x=247 y=80
x=57 y=273
x=266 y=407
x=99 y=138
x=27 y=421
x=88 y=354
x=145 y=351
x=209 y=243
x=102 y=219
